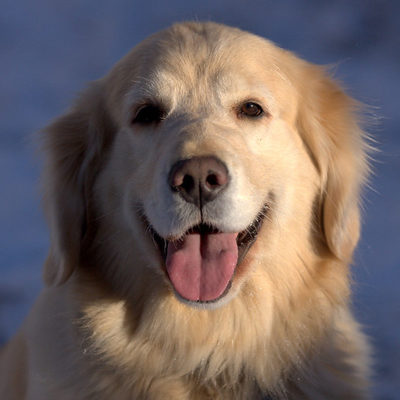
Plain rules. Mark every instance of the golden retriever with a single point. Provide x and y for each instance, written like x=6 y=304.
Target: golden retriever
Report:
x=203 y=201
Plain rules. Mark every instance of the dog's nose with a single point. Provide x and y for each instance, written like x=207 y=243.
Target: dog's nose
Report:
x=199 y=180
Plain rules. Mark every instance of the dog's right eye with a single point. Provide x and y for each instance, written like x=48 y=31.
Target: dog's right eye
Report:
x=148 y=114
x=251 y=109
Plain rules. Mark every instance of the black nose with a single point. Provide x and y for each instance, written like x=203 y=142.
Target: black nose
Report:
x=199 y=180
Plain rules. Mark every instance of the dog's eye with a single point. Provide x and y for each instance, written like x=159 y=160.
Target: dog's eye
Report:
x=148 y=113
x=250 y=109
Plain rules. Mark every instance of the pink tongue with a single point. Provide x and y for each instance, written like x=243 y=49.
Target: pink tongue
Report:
x=201 y=266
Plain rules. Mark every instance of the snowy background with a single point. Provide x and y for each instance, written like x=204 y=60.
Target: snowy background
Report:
x=50 y=48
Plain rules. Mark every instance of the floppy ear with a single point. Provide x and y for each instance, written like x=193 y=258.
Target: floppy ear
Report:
x=330 y=127
x=73 y=144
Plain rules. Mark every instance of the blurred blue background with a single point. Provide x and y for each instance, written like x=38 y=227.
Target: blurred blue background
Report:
x=49 y=49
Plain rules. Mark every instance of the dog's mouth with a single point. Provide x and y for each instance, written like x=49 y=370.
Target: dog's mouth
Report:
x=202 y=263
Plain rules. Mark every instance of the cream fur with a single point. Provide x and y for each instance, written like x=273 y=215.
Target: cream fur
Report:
x=109 y=326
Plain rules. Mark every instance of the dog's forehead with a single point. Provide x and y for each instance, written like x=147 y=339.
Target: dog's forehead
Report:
x=200 y=63
x=221 y=68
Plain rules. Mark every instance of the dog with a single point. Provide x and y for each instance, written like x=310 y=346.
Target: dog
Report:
x=203 y=200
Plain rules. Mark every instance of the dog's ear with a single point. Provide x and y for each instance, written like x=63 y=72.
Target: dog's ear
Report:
x=328 y=120
x=72 y=144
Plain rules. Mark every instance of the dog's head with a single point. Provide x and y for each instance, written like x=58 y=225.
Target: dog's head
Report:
x=206 y=154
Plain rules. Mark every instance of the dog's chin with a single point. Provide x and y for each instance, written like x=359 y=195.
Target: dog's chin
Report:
x=226 y=260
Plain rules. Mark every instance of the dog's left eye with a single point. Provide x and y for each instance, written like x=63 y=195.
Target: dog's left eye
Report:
x=250 y=109
x=148 y=113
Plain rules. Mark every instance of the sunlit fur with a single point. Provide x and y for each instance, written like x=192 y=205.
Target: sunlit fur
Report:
x=108 y=325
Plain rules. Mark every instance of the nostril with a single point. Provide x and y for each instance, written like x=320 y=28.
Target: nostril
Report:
x=213 y=181
x=187 y=183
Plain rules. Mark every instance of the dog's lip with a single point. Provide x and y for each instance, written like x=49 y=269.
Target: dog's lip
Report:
x=245 y=238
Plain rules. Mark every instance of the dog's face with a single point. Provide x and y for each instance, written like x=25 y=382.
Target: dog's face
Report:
x=211 y=171
x=206 y=158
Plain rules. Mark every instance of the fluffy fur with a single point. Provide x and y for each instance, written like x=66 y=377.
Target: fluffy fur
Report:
x=109 y=325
